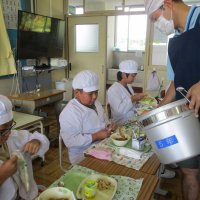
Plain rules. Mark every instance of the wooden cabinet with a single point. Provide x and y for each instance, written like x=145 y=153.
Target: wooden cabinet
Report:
x=43 y=7
x=50 y=8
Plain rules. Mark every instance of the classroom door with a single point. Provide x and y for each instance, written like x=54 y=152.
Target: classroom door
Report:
x=94 y=56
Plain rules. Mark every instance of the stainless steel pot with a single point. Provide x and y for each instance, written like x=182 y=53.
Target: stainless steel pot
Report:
x=173 y=131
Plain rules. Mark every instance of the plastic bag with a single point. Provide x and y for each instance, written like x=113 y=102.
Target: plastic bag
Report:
x=23 y=169
x=153 y=82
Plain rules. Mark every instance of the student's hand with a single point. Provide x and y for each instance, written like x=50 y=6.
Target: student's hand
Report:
x=194 y=95
x=8 y=168
x=32 y=147
x=100 y=135
x=111 y=127
x=137 y=97
x=168 y=3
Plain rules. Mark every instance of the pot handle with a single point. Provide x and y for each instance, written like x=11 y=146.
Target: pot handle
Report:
x=180 y=90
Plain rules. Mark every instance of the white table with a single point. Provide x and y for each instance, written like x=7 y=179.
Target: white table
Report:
x=28 y=122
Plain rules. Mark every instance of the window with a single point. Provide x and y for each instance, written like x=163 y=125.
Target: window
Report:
x=87 y=37
x=131 y=32
x=159 y=47
x=75 y=10
x=75 y=7
x=101 y=5
x=79 y=10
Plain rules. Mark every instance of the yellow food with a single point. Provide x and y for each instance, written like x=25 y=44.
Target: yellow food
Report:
x=104 y=184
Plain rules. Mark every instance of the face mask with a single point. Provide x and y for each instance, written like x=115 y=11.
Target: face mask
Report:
x=164 y=26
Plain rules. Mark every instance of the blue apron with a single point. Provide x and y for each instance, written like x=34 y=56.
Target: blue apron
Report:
x=184 y=54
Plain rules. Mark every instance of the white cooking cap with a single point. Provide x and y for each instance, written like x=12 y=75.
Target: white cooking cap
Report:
x=152 y=5
x=86 y=80
x=128 y=66
x=6 y=113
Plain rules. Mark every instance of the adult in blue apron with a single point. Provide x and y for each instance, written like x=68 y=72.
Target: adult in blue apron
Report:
x=184 y=54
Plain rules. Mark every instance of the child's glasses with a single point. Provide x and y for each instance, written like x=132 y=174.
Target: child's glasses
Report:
x=5 y=131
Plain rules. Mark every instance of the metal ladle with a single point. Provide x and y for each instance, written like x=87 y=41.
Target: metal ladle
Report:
x=181 y=89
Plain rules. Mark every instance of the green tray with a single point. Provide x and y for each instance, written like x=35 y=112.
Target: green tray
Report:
x=73 y=179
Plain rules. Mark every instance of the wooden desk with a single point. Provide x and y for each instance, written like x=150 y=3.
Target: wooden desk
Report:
x=149 y=183
x=151 y=166
x=30 y=101
x=27 y=121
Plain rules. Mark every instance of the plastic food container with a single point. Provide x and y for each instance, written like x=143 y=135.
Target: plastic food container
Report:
x=119 y=140
x=56 y=193
x=90 y=188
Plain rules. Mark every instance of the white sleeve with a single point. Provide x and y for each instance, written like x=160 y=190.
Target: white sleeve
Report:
x=71 y=129
x=20 y=137
x=119 y=102
x=44 y=147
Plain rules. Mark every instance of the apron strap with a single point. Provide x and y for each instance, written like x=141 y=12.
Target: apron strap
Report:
x=188 y=24
x=197 y=24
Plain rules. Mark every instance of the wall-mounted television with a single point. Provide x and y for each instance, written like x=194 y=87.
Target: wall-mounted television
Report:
x=39 y=36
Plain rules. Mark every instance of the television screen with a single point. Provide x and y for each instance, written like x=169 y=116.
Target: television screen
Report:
x=39 y=36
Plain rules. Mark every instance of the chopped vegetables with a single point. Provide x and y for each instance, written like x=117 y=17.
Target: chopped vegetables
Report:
x=148 y=100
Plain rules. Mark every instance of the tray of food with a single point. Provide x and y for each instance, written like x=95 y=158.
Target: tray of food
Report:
x=97 y=187
x=146 y=104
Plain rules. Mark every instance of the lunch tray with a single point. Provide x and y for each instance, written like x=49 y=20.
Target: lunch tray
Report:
x=77 y=174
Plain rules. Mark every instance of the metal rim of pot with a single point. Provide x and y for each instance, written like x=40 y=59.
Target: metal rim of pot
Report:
x=164 y=113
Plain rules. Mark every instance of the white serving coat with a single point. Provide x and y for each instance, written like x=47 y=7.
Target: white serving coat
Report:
x=17 y=140
x=78 y=123
x=122 y=108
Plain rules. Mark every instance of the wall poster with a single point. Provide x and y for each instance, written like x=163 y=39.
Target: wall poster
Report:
x=10 y=10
